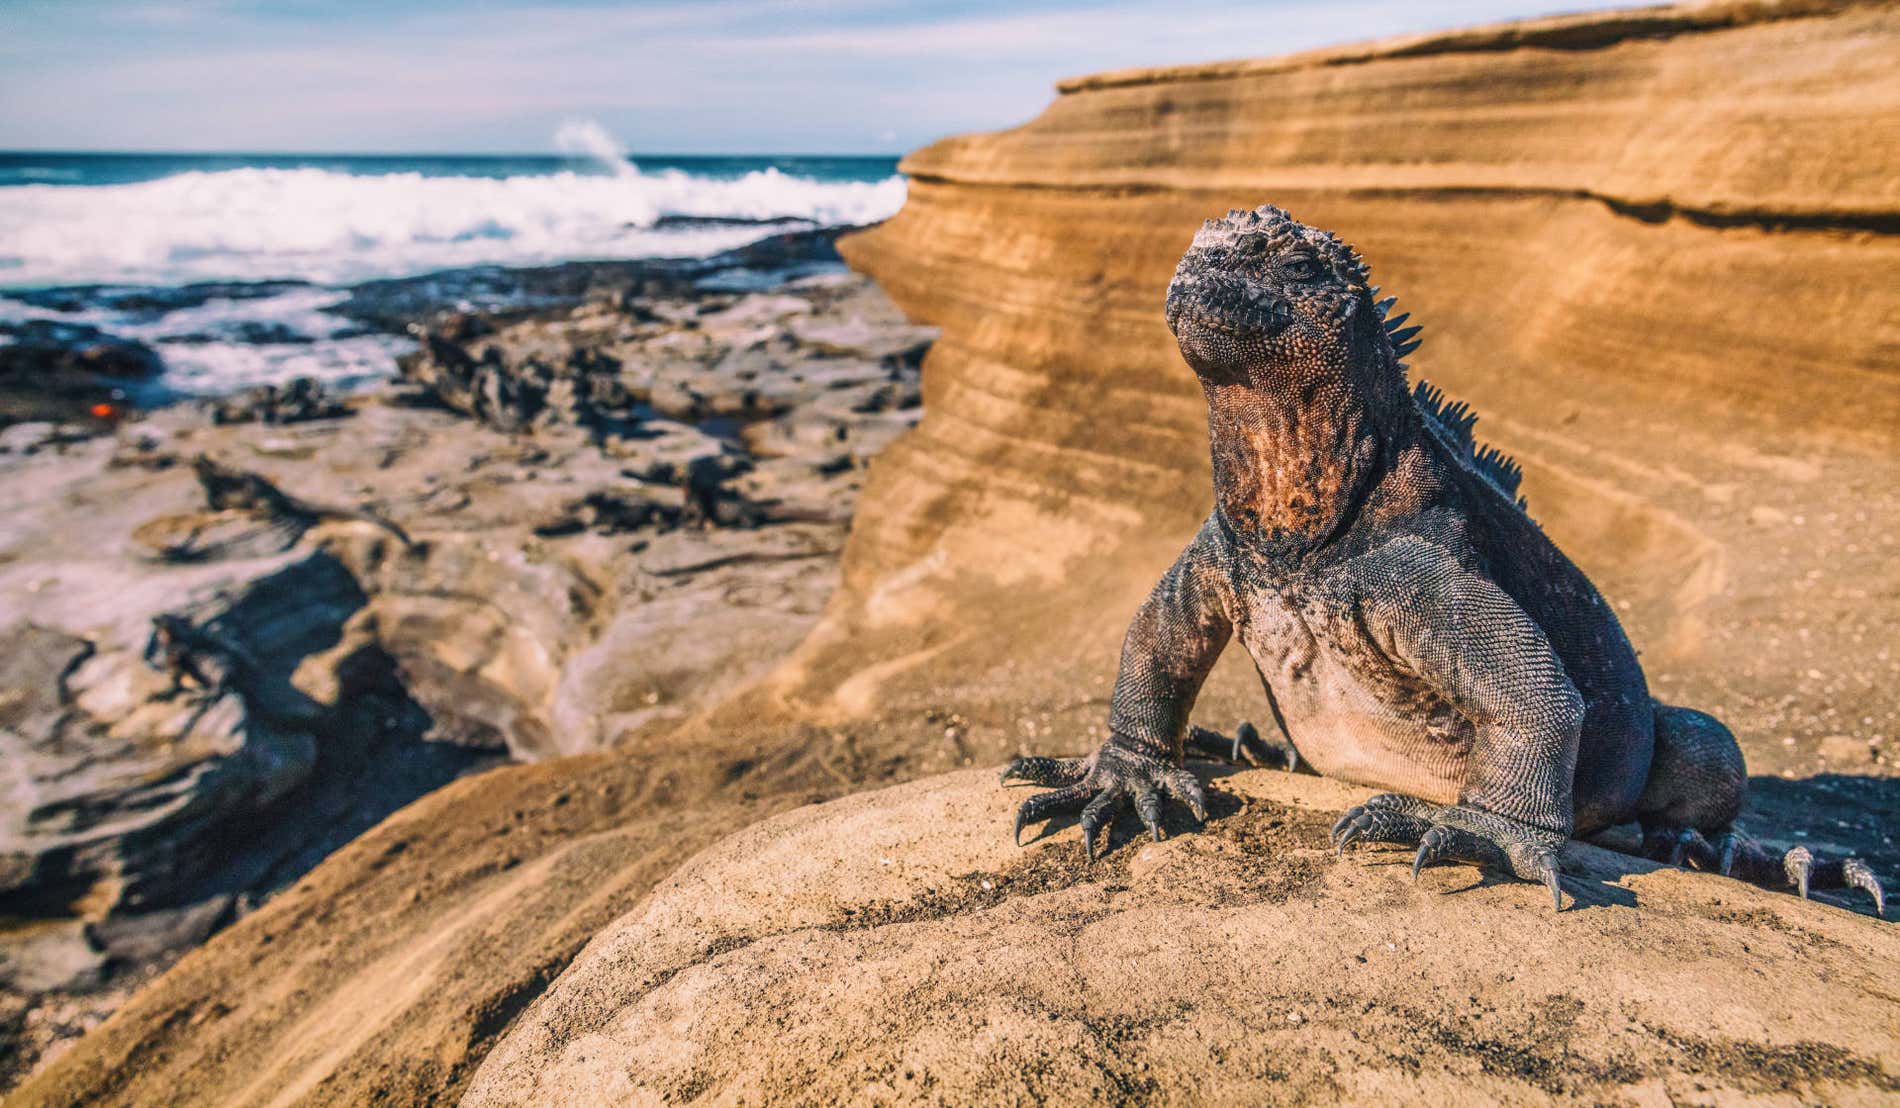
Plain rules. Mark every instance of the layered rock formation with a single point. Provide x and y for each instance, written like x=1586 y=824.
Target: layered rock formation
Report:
x=1657 y=251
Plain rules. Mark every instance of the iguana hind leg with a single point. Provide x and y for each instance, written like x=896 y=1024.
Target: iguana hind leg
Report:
x=1246 y=748
x=1697 y=785
x=1697 y=778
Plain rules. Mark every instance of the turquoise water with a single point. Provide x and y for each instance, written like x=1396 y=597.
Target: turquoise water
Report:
x=43 y=168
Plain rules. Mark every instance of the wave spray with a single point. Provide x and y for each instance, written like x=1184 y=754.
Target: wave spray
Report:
x=588 y=139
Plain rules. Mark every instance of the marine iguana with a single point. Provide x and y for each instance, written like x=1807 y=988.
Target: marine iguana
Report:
x=174 y=649
x=1414 y=628
x=230 y=489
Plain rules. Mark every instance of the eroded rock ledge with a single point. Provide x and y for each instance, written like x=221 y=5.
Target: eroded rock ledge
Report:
x=896 y=946
x=235 y=637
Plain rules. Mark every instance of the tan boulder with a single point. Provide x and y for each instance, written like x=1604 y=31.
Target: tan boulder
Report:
x=896 y=947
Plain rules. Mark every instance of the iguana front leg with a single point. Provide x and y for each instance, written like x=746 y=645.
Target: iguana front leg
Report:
x=1473 y=646
x=1170 y=647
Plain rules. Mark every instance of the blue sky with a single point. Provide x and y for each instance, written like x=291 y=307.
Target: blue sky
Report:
x=715 y=76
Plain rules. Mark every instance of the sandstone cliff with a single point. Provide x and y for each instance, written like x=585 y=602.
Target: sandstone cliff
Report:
x=1657 y=251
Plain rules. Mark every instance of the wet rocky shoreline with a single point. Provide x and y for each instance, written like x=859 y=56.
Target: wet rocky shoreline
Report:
x=239 y=632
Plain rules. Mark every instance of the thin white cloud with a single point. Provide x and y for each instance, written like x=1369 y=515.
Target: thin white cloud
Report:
x=744 y=74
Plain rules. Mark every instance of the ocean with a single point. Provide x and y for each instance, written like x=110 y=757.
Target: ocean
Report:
x=320 y=223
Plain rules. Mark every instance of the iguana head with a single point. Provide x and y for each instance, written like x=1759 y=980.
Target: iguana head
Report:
x=1261 y=299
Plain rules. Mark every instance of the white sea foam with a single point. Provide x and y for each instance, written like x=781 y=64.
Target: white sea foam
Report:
x=204 y=354
x=250 y=224
x=214 y=368
x=334 y=228
x=199 y=368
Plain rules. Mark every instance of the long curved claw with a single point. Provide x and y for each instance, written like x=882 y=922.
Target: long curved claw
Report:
x=1044 y=805
x=1245 y=747
x=1148 y=807
x=1799 y=864
x=1358 y=823
x=1433 y=846
x=1120 y=774
x=1734 y=853
x=1679 y=846
x=1552 y=881
x=1244 y=735
x=1182 y=786
x=1387 y=818
x=1353 y=824
x=1099 y=816
x=1253 y=750
x=1455 y=832
x=1855 y=874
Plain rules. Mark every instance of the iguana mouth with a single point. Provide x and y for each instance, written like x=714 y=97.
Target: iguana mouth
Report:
x=1244 y=322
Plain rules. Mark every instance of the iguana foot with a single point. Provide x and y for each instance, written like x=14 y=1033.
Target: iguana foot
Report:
x=1447 y=832
x=1101 y=786
x=1734 y=853
x=1246 y=748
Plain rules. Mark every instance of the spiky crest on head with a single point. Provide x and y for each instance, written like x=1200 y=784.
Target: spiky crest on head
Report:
x=1275 y=229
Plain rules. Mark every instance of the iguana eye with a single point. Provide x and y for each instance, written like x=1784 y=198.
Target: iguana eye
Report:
x=1299 y=269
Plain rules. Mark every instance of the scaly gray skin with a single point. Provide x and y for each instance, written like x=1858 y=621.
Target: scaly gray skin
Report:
x=1415 y=629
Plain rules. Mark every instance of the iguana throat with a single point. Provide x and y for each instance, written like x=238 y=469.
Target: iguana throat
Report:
x=1284 y=475
x=1306 y=400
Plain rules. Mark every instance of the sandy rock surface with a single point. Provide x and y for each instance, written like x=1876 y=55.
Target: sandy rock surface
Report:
x=894 y=947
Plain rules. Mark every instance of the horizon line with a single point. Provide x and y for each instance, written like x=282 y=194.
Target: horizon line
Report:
x=185 y=153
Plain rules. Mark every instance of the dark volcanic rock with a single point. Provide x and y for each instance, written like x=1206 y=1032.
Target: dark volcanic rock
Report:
x=299 y=401
x=610 y=512
x=673 y=222
x=252 y=332
x=396 y=303
x=576 y=387
x=56 y=370
x=149 y=302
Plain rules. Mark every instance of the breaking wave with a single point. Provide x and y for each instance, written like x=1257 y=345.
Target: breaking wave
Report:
x=330 y=227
